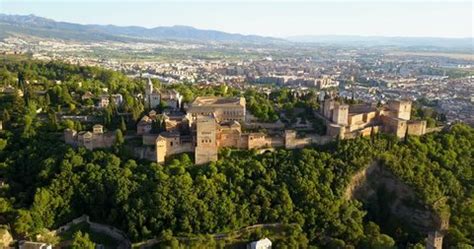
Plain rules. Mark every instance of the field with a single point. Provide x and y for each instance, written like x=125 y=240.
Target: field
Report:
x=459 y=56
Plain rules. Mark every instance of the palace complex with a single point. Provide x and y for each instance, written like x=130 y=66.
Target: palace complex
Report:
x=349 y=121
x=211 y=123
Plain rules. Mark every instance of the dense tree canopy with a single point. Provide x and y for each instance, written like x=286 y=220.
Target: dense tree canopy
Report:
x=242 y=188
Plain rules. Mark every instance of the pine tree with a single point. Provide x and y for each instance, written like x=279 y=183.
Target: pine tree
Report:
x=123 y=125
x=47 y=100
x=119 y=140
x=6 y=116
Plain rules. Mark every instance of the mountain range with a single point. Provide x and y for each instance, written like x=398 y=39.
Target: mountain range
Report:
x=47 y=28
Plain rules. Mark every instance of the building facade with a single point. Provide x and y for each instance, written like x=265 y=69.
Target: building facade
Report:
x=223 y=109
x=152 y=97
x=349 y=121
x=90 y=140
x=206 y=140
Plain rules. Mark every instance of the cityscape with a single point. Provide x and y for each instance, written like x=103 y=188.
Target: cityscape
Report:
x=119 y=133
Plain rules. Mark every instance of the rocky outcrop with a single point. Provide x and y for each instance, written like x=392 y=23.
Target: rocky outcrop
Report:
x=375 y=182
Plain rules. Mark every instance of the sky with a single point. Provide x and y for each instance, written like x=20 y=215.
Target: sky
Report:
x=276 y=18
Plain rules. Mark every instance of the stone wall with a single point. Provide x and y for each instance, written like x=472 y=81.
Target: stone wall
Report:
x=64 y=228
x=110 y=231
x=417 y=127
x=149 y=139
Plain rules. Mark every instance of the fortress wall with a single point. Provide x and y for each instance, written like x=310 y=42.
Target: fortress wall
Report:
x=417 y=128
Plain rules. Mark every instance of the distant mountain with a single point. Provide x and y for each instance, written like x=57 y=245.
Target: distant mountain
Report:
x=48 y=28
x=461 y=43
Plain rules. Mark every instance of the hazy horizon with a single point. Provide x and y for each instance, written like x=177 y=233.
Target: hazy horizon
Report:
x=448 y=19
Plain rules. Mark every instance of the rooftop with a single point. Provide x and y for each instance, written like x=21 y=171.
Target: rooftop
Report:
x=207 y=101
x=361 y=108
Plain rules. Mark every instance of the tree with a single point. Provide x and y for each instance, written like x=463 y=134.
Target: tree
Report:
x=3 y=144
x=119 y=140
x=82 y=241
x=53 y=120
x=23 y=223
x=47 y=100
x=123 y=125
x=48 y=237
x=69 y=124
x=5 y=116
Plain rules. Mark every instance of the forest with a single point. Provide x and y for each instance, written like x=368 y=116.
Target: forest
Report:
x=50 y=183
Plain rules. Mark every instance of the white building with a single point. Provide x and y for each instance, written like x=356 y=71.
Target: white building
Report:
x=117 y=98
x=104 y=101
x=326 y=82
x=260 y=244
x=172 y=99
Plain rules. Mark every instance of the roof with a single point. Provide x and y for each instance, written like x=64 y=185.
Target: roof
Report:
x=169 y=94
x=256 y=134
x=145 y=120
x=361 y=108
x=230 y=123
x=228 y=101
x=169 y=134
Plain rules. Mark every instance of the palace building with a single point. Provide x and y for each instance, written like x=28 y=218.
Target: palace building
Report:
x=349 y=121
x=90 y=140
x=212 y=123
x=223 y=109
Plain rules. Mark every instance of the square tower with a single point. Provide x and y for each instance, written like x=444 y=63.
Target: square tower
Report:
x=161 y=149
x=206 y=142
x=328 y=108
x=98 y=129
x=434 y=240
x=401 y=108
x=340 y=114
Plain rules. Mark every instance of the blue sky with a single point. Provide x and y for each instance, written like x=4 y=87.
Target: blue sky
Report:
x=267 y=17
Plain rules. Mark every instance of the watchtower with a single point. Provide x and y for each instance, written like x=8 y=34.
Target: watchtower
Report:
x=401 y=108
